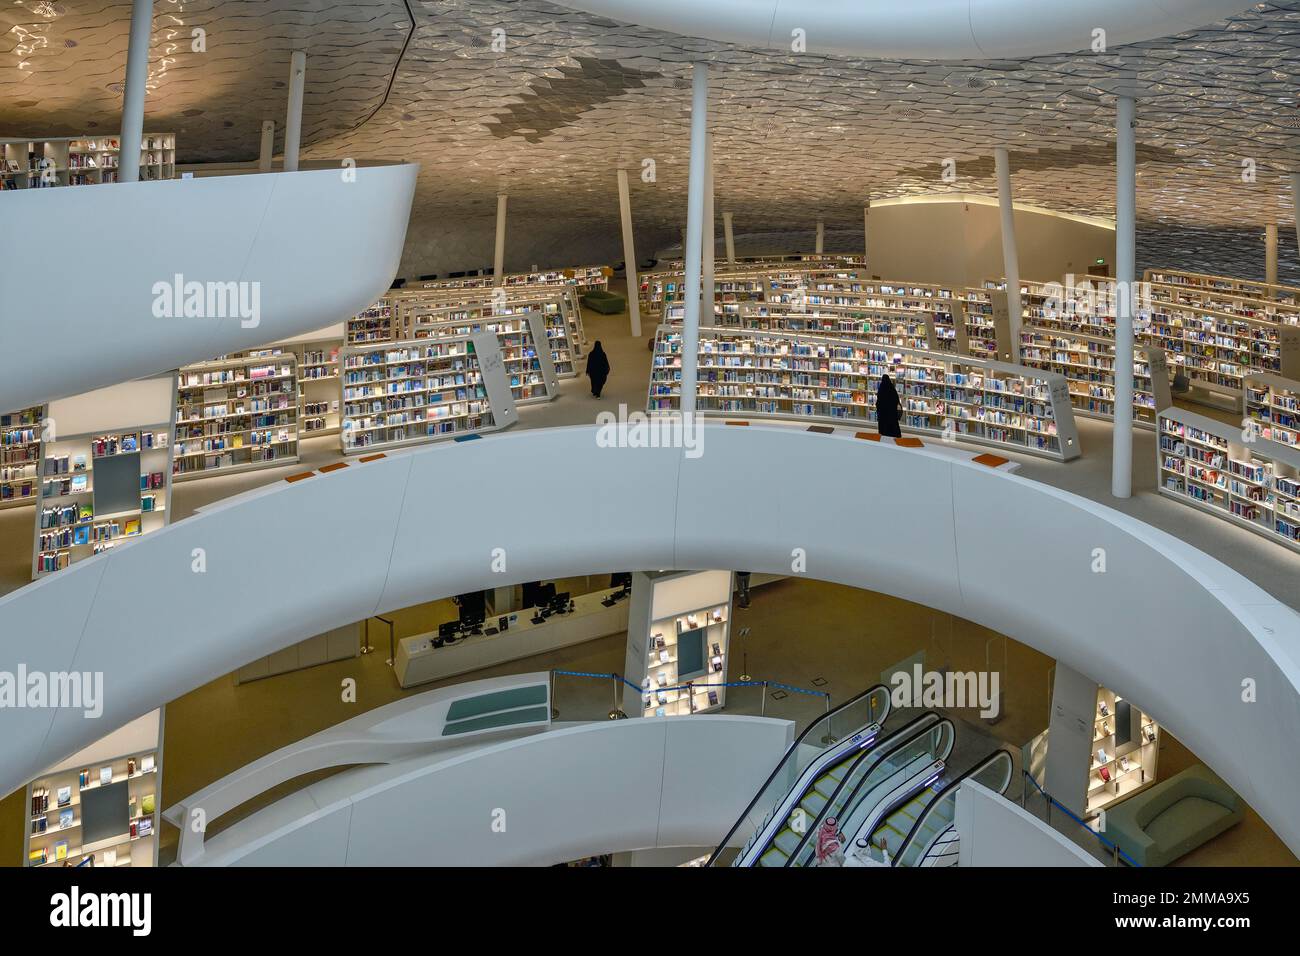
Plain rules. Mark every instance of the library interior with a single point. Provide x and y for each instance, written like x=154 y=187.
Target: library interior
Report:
x=448 y=394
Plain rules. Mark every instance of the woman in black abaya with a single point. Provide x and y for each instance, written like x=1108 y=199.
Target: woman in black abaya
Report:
x=597 y=369
x=887 y=408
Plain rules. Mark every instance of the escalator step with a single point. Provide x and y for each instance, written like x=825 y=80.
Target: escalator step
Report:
x=773 y=857
x=786 y=841
x=813 y=802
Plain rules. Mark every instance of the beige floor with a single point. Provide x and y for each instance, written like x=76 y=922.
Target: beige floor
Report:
x=844 y=637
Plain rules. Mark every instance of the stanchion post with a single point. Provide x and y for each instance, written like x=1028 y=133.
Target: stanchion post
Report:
x=763 y=705
x=555 y=711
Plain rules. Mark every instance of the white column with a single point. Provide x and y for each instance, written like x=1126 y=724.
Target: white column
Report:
x=293 y=122
x=133 y=91
x=267 y=150
x=866 y=230
x=730 y=238
x=1010 y=260
x=694 y=233
x=821 y=236
x=499 y=254
x=1121 y=479
x=629 y=254
x=1270 y=255
x=710 y=236
x=1295 y=200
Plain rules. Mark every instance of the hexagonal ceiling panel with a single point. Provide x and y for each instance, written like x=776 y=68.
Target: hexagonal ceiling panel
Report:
x=544 y=103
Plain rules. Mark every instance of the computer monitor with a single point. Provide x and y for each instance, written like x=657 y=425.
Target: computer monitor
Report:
x=560 y=602
x=545 y=594
x=448 y=629
x=473 y=608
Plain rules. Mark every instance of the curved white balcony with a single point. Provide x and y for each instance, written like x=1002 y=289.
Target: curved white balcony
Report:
x=1167 y=625
x=919 y=29
x=86 y=271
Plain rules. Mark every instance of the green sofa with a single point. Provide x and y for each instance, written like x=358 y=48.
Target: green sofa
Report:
x=604 y=302
x=1174 y=817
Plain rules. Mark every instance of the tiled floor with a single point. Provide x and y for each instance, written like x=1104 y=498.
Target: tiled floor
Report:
x=806 y=633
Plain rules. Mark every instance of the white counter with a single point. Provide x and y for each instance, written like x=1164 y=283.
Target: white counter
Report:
x=419 y=662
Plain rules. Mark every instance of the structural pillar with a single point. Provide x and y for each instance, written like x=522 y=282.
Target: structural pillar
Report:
x=1121 y=480
x=267 y=150
x=1295 y=200
x=710 y=235
x=1270 y=255
x=694 y=234
x=821 y=237
x=629 y=255
x=293 y=122
x=133 y=91
x=1010 y=259
x=730 y=238
x=499 y=255
x=866 y=230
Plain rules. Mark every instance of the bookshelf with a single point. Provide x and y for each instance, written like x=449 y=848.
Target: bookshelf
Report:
x=97 y=489
x=583 y=278
x=421 y=390
x=1088 y=364
x=678 y=628
x=798 y=376
x=1124 y=753
x=1226 y=285
x=20 y=455
x=530 y=371
x=1231 y=473
x=236 y=414
x=103 y=802
x=1273 y=406
x=319 y=406
x=562 y=324
x=375 y=324
x=81 y=160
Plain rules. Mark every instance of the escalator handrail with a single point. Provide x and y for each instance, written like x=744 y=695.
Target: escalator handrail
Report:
x=979 y=766
x=792 y=749
x=896 y=741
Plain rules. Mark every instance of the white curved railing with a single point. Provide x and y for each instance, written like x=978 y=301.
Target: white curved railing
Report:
x=86 y=285
x=1166 y=624
x=919 y=29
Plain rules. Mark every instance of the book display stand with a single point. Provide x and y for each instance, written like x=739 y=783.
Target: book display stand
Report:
x=1125 y=751
x=678 y=629
x=421 y=390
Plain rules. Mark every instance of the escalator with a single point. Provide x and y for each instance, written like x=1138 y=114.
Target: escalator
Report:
x=807 y=775
x=880 y=781
x=932 y=838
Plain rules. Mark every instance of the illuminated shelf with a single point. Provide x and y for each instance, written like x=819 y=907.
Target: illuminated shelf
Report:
x=80 y=160
x=20 y=455
x=1129 y=740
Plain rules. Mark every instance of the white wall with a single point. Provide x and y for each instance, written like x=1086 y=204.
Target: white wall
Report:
x=76 y=282
x=958 y=242
x=1167 y=627
x=566 y=794
x=994 y=831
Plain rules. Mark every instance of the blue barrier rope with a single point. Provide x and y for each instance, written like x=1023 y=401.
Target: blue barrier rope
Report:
x=1083 y=823
x=738 y=683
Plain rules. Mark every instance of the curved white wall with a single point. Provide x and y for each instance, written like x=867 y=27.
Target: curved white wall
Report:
x=77 y=278
x=1166 y=625
x=919 y=29
x=562 y=795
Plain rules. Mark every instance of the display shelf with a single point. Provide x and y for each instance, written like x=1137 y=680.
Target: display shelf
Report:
x=20 y=455
x=1088 y=364
x=375 y=324
x=562 y=322
x=1224 y=285
x=319 y=406
x=1273 y=406
x=895 y=327
x=678 y=631
x=236 y=414
x=80 y=160
x=421 y=390
x=78 y=516
x=796 y=376
x=56 y=834
x=1229 y=472
x=580 y=277
x=1124 y=753
x=530 y=372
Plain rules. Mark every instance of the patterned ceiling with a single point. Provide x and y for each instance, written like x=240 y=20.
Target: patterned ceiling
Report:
x=548 y=117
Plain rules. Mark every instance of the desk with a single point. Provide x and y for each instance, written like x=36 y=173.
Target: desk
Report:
x=419 y=662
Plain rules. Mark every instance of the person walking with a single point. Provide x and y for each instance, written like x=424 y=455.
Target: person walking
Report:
x=887 y=408
x=597 y=368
